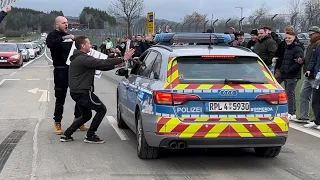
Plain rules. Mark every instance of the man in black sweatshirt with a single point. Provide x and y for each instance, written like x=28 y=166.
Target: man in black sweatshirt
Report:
x=81 y=83
x=60 y=43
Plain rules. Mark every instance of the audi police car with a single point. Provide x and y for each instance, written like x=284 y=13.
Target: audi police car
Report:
x=192 y=90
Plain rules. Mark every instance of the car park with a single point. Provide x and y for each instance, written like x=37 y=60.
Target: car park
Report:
x=201 y=96
x=24 y=51
x=10 y=55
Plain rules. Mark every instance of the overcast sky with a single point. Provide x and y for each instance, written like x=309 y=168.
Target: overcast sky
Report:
x=165 y=9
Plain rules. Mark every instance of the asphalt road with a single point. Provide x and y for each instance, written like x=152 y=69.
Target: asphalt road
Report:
x=30 y=150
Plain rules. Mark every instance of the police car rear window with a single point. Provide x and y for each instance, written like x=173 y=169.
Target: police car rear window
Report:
x=198 y=70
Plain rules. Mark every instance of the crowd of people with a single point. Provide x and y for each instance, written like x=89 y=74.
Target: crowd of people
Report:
x=287 y=59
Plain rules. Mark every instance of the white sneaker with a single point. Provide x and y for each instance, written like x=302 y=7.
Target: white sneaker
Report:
x=318 y=127
x=292 y=117
x=311 y=125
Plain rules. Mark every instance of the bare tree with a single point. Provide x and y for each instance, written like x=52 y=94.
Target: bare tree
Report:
x=127 y=10
x=312 y=11
x=195 y=17
x=293 y=7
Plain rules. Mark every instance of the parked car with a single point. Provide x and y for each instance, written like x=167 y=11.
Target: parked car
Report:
x=304 y=38
x=24 y=51
x=32 y=53
x=10 y=55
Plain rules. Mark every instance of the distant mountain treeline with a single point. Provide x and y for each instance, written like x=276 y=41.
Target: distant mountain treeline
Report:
x=22 y=20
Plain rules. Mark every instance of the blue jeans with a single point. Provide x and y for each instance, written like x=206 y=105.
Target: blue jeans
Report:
x=305 y=98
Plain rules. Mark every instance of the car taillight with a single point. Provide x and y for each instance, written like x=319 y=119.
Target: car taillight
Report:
x=274 y=99
x=162 y=98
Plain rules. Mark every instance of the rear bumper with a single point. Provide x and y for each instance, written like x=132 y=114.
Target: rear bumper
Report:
x=164 y=141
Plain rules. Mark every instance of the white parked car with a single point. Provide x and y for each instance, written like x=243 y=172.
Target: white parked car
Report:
x=24 y=52
x=29 y=47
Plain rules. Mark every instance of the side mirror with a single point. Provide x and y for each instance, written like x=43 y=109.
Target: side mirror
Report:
x=122 y=72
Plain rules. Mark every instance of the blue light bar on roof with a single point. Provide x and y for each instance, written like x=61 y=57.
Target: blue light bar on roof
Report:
x=198 y=38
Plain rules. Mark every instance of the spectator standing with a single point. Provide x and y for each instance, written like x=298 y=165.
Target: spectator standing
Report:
x=60 y=42
x=291 y=69
x=254 y=38
x=265 y=47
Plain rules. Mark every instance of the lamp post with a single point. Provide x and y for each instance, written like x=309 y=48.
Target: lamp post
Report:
x=241 y=16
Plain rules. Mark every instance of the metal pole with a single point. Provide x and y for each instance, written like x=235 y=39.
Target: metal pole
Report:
x=241 y=16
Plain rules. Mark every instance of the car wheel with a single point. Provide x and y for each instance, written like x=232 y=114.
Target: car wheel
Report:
x=143 y=149
x=268 y=151
x=120 y=122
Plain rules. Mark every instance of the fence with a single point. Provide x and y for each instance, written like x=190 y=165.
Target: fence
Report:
x=278 y=22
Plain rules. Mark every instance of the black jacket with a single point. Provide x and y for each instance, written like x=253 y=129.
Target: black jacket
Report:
x=290 y=68
x=82 y=70
x=266 y=49
x=281 y=50
x=314 y=43
x=314 y=66
x=2 y=15
x=251 y=44
x=59 y=50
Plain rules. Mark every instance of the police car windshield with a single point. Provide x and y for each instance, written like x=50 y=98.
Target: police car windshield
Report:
x=198 y=70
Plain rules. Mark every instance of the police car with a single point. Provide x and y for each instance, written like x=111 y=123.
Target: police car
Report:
x=192 y=90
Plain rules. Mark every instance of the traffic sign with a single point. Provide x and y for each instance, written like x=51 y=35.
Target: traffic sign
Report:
x=150 y=22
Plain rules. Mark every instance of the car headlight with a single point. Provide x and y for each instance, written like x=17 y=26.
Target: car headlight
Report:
x=15 y=57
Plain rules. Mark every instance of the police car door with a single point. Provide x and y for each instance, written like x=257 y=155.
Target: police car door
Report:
x=138 y=85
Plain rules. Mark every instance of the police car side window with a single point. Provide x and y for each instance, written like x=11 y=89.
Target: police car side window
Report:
x=146 y=66
x=155 y=73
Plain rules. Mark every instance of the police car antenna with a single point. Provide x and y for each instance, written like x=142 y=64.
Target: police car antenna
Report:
x=210 y=47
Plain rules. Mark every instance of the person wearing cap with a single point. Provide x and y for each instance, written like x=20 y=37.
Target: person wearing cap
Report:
x=239 y=39
x=306 y=89
x=314 y=72
x=254 y=38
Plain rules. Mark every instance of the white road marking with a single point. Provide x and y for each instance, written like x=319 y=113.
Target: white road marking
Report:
x=4 y=80
x=32 y=79
x=49 y=79
x=35 y=150
x=13 y=73
x=44 y=97
x=34 y=59
x=47 y=55
x=305 y=130
x=123 y=136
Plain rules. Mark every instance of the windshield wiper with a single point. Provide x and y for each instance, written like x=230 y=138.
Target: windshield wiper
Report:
x=241 y=81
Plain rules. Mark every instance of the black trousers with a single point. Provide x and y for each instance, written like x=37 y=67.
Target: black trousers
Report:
x=87 y=102
x=60 y=88
x=316 y=105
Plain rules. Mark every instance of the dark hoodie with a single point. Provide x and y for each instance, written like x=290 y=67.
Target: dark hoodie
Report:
x=290 y=68
x=82 y=70
x=266 y=49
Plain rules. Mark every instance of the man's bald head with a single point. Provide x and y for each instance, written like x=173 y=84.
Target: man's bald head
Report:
x=62 y=24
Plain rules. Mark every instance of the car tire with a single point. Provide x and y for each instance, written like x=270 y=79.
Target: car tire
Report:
x=268 y=151
x=144 y=151
x=120 y=122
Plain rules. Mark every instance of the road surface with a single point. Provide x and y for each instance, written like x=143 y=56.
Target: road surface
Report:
x=30 y=150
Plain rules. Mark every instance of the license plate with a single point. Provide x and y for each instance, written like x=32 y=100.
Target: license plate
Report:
x=3 y=60
x=228 y=107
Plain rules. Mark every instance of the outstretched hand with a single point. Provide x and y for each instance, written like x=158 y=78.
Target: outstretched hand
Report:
x=129 y=54
x=8 y=9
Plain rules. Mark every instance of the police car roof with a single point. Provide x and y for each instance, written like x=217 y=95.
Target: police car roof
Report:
x=202 y=50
